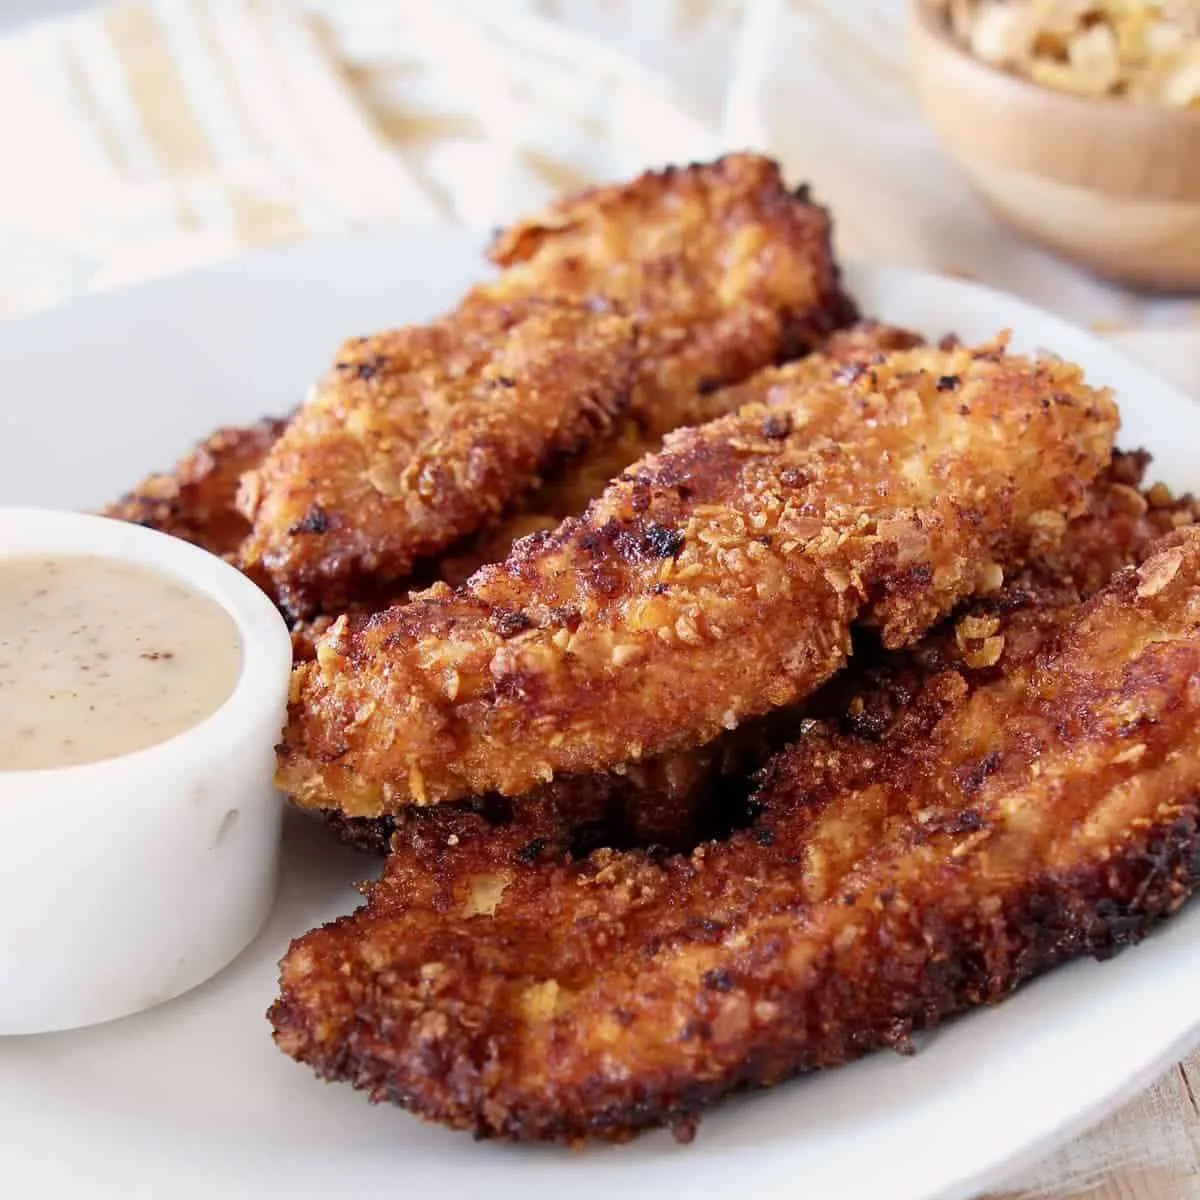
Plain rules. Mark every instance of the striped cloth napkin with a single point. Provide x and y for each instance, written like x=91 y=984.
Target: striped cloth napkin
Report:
x=150 y=136
x=157 y=136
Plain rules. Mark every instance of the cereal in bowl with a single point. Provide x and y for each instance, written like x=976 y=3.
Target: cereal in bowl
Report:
x=1143 y=51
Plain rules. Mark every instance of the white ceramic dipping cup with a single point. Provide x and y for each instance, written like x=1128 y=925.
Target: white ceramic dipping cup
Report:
x=125 y=882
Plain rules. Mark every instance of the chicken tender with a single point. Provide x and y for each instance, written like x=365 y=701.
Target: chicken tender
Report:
x=195 y=500
x=417 y=436
x=669 y=800
x=569 y=492
x=676 y=800
x=710 y=584
x=1005 y=820
x=722 y=267
x=723 y=271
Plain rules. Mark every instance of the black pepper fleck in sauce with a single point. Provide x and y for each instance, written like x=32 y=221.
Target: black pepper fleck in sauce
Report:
x=99 y=658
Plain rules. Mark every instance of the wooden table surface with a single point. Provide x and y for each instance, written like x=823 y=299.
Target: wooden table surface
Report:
x=1167 y=1116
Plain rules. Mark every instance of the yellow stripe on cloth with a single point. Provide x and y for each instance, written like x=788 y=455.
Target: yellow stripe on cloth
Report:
x=170 y=125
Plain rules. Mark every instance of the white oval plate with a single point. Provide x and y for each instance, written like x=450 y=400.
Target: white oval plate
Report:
x=193 y=1100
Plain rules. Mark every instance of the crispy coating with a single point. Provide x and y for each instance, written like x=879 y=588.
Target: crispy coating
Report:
x=569 y=492
x=566 y=493
x=670 y=800
x=667 y=803
x=710 y=584
x=1122 y=521
x=723 y=271
x=676 y=800
x=1124 y=516
x=416 y=436
x=195 y=500
x=866 y=341
x=1003 y=822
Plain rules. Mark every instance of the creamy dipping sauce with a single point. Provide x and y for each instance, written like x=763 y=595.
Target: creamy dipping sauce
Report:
x=99 y=658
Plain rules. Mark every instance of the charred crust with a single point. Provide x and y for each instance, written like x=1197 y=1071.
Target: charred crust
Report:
x=507 y=622
x=718 y=980
x=364 y=369
x=683 y=1127
x=635 y=542
x=971 y=779
x=528 y=854
x=777 y=426
x=659 y=541
x=966 y=821
x=315 y=520
x=373 y=835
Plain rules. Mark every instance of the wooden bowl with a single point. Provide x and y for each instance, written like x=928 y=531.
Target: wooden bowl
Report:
x=1111 y=184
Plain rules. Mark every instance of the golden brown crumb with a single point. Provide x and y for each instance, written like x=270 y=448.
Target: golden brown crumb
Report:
x=195 y=500
x=417 y=436
x=999 y=822
x=572 y=489
x=722 y=270
x=708 y=585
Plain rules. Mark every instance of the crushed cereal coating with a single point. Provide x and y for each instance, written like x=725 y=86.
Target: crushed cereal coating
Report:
x=961 y=832
x=648 y=625
x=719 y=269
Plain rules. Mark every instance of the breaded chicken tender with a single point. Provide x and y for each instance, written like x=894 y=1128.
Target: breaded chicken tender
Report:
x=418 y=435
x=677 y=799
x=569 y=492
x=195 y=500
x=723 y=271
x=1003 y=820
x=668 y=800
x=710 y=584
x=722 y=267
